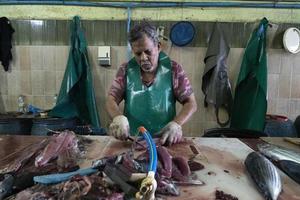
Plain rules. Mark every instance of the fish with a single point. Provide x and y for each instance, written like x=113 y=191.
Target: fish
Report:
x=292 y=169
x=65 y=141
x=278 y=153
x=264 y=174
x=166 y=160
x=6 y=185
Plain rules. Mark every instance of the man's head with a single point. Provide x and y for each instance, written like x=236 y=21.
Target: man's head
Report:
x=145 y=45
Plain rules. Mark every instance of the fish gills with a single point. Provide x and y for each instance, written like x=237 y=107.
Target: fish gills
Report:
x=264 y=174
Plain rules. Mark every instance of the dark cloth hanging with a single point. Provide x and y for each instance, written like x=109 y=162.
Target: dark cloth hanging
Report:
x=215 y=83
x=6 y=31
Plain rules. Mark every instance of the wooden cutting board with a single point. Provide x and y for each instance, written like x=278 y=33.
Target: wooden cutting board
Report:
x=224 y=170
x=223 y=159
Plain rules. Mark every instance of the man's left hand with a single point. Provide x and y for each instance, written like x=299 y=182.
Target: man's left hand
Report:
x=171 y=133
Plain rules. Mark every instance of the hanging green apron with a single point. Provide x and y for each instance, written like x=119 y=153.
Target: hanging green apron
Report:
x=250 y=104
x=154 y=106
x=76 y=96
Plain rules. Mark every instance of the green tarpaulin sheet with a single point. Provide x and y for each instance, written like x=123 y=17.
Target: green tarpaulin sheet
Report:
x=76 y=97
x=250 y=104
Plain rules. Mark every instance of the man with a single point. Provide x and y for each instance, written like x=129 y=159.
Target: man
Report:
x=150 y=83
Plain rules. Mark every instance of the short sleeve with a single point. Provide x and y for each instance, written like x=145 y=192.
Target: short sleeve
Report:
x=181 y=84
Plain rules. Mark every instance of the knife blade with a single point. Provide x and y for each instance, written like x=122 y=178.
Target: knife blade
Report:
x=189 y=182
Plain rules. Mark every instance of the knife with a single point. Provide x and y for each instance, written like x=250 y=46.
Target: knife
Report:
x=189 y=182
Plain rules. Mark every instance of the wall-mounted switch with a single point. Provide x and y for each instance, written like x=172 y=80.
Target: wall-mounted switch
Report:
x=104 y=58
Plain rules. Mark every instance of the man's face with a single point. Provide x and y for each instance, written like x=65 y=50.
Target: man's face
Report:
x=146 y=53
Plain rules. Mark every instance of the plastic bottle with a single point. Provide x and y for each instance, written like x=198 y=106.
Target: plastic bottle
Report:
x=21 y=104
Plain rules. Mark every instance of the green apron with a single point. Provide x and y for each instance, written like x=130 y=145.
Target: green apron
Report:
x=250 y=104
x=154 y=106
x=76 y=96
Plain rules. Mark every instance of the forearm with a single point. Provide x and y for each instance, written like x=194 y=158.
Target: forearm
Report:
x=112 y=107
x=188 y=108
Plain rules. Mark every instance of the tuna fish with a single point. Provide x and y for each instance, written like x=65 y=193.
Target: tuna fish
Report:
x=292 y=169
x=264 y=174
x=279 y=153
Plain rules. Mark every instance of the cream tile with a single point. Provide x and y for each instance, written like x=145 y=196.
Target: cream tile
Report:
x=39 y=101
x=119 y=56
x=24 y=83
x=24 y=58
x=58 y=81
x=284 y=86
x=12 y=83
x=15 y=62
x=110 y=75
x=210 y=113
x=49 y=102
x=11 y=104
x=3 y=102
x=287 y=63
x=38 y=82
x=272 y=104
x=49 y=58
x=273 y=86
x=99 y=79
x=187 y=129
x=3 y=84
x=187 y=61
x=175 y=53
x=211 y=124
x=92 y=52
x=61 y=57
x=197 y=129
x=294 y=106
x=36 y=57
x=274 y=61
x=282 y=107
x=50 y=82
x=295 y=91
x=296 y=64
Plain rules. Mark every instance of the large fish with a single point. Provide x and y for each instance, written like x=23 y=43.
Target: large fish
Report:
x=278 y=153
x=264 y=174
x=292 y=169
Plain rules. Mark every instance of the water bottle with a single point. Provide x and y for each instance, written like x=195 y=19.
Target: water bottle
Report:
x=21 y=104
x=54 y=100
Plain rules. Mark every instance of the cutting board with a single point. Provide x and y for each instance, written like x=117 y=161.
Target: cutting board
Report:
x=224 y=170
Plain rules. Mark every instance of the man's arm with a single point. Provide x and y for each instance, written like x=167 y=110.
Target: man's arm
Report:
x=112 y=107
x=189 y=106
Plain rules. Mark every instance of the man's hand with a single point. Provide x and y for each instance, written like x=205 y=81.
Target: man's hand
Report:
x=171 y=133
x=119 y=128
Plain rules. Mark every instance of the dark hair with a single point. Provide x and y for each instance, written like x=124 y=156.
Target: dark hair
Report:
x=144 y=28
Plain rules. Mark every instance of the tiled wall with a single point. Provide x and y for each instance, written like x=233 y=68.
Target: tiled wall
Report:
x=37 y=72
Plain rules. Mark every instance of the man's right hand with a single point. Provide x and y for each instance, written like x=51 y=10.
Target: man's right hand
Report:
x=119 y=128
